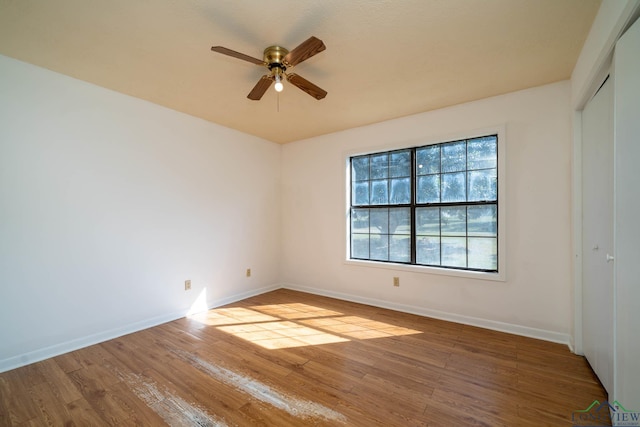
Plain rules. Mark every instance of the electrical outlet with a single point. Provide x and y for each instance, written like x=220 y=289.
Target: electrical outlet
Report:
x=187 y=285
x=248 y=272
x=396 y=281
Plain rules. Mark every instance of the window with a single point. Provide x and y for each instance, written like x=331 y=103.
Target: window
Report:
x=435 y=205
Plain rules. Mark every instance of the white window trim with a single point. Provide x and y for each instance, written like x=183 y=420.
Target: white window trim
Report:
x=501 y=275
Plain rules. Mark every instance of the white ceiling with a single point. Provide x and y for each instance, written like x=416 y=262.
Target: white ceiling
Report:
x=384 y=58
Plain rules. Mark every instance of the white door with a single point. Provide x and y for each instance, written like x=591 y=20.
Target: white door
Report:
x=597 y=233
x=627 y=212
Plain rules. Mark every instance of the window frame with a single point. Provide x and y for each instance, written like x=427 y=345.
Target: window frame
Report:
x=500 y=275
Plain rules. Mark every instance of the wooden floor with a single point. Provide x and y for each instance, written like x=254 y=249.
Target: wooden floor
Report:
x=287 y=358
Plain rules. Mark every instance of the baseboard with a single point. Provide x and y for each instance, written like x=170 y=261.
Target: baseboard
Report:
x=526 y=331
x=78 y=343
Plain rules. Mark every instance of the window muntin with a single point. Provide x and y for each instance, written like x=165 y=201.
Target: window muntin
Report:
x=435 y=205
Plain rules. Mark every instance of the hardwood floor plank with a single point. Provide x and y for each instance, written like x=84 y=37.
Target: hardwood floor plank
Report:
x=340 y=357
x=472 y=400
x=252 y=362
x=496 y=372
x=83 y=414
x=260 y=415
x=28 y=376
x=198 y=389
x=18 y=407
x=288 y=358
x=442 y=414
x=393 y=394
x=139 y=413
x=61 y=385
x=329 y=376
x=409 y=351
x=558 y=385
x=567 y=365
x=51 y=413
x=68 y=362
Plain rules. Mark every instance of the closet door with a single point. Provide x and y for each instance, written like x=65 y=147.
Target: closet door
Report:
x=597 y=234
x=627 y=219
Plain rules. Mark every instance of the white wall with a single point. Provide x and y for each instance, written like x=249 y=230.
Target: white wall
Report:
x=108 y=203
x=536 y=297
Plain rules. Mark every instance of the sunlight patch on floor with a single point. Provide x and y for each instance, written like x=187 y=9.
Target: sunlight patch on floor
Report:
x=278 y=326
x=284 y=334
x=359 y=327
x=295 y=311
x=231 y=316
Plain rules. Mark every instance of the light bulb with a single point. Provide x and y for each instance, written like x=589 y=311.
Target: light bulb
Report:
x=278 y=87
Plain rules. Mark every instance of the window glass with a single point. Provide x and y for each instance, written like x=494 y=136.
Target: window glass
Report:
x=435 y=205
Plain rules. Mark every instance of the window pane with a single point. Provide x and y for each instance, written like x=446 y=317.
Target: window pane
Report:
x=428 y=160
x=379 y=166
x=360 y=246
x=428 y=221
x=428 y=250
x=482 y=153
x=482 y=220
x=454 y=251
x=400 y=191
x=360 y=194
x=400 y=230
x=400 y=164
x=483 y=185
x=453 y=187
x=360 y=221
x=428 y=190
x=454 y=157
x=380 y=247
x=379 y=193
x=400 y=248
x=454 y=221
x=379 y=221
x=360 y=168
x=360 y=233
x=400 y=221
x=483 y=253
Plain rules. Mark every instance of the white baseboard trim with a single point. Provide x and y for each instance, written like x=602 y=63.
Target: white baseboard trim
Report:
x=81 y=342
x=556 y=337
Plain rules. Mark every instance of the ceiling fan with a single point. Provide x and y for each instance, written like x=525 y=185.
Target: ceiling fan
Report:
x=277 y=60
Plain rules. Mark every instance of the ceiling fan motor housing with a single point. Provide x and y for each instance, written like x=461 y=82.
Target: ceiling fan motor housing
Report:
x=274 y=56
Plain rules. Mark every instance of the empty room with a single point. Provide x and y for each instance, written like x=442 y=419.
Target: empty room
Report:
x=286 y=213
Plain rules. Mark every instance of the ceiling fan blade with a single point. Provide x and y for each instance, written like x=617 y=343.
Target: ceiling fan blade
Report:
x=304 y=51
x=229 y=52
x=306 y=86
x=260 y=88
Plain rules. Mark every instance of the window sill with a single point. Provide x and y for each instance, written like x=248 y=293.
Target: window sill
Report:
x=477 y=275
